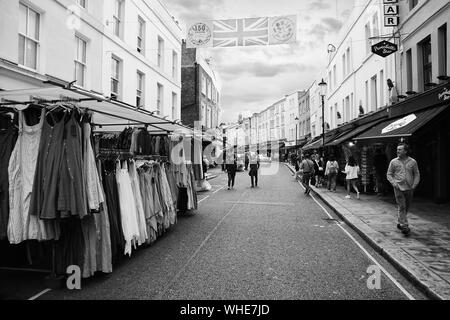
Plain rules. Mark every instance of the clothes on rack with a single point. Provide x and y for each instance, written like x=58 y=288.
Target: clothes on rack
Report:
x=22 y=167
x=55 y=192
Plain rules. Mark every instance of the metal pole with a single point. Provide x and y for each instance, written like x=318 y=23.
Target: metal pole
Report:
x=323 y=122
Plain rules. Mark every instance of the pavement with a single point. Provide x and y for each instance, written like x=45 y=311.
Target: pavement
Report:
x=423 y=257
x=265 y=243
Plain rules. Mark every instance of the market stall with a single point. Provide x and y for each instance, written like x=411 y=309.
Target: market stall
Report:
x=86 y=180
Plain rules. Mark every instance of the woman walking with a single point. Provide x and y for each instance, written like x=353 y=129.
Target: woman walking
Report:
x=318 y=168
x=352 y=171
x=231 y=167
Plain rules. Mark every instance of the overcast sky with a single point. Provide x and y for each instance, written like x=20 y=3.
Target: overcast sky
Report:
x=253 y=78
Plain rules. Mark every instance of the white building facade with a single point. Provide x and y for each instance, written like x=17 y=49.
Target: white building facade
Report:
x=127 y=50
x=424 y=54
x=356 y=78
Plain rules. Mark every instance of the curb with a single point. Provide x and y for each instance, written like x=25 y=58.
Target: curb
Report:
x=379 y=249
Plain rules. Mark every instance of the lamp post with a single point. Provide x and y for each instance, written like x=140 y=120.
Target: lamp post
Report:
x=323 y=92
x=296 y=127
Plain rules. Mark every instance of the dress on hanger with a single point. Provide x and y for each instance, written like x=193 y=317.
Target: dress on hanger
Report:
x=22 y=167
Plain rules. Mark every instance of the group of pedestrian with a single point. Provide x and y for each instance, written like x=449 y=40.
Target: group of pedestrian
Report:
x=251 y=160
x=402 y=173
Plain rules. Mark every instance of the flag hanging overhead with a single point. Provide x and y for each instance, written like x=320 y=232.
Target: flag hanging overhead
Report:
x=242 y=32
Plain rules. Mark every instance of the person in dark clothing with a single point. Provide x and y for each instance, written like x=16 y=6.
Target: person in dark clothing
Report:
x=247 y=161
x=254 y=167
x=231 y=167
x=307 y=168
x=380 y=163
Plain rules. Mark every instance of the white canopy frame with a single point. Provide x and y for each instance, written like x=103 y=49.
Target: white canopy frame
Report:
x=108 y=115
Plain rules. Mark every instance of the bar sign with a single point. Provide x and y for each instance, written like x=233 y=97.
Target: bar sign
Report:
x=391 y=13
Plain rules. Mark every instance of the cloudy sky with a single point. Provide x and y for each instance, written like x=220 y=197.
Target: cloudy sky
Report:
x=255 y=77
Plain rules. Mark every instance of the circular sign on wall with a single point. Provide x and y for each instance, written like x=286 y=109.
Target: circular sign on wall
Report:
x=199 y=34
x=283 y=29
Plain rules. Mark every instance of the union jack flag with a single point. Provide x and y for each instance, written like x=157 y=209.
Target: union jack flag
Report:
x=241 y=32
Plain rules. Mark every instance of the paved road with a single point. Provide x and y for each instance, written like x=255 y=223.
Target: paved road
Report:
x=270 y=243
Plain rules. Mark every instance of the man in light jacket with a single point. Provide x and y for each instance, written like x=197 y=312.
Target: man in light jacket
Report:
x=403 y=173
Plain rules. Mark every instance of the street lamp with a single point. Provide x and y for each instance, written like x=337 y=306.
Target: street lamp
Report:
x=323 y=92
x=296 y=127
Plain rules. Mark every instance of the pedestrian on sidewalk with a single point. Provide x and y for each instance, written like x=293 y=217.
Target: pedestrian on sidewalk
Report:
x=331 y=171
x=352 y=172
x=403 y=173
x=231 y=170
x=380 y=163
x=254 y=167
x=319 y=170
x=307 y=170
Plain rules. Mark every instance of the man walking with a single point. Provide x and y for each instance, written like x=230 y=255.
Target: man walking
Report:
x=403 y=173
x=254 y=167
x=307 y=167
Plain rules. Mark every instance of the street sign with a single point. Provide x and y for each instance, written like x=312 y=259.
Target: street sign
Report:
x=384 y=48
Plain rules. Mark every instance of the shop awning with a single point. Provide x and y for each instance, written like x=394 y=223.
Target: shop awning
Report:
x=314 y=144
x=352 y=133
x=402 y=127
x=108 y=114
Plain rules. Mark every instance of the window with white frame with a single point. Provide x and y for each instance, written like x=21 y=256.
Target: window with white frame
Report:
x=80 y=61
x=413 y=4
x=174 y=105
x=349 y=69
x=140 y=87
x=29 y=24
x=374 y=92
x=368 y=41
x=174 y=65
x=115 y=78
x=344 y=68
x=203 y=84
x=141 y=36
x=159 y=99
x=160 y=52
x=82 y=3
x=118 y=17
x=375 y=25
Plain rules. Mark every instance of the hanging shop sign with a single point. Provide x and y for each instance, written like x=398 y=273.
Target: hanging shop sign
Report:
x=243 y=32
x=399 y=123
x=384 y=48
x=391 y=13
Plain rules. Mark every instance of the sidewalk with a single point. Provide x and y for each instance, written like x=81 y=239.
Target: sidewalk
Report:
x=423 y=257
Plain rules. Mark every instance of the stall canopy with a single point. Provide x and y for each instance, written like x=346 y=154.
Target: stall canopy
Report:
x=402 y=127
x=108 y=115
x=352 y=133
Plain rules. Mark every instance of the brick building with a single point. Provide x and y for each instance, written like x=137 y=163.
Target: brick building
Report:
x=200 y=90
